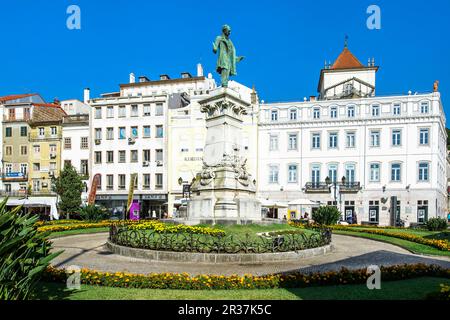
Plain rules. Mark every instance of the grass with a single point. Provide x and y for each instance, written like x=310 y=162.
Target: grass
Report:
x=408 y=245
x=412 y=289
x=79 y=231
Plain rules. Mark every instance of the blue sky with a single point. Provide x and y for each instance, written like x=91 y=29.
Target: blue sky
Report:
x=285 y=43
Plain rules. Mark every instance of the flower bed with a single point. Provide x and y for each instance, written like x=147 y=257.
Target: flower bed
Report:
x=161 y=227
x=438 y=244
x=202 y=282
x=81 y=225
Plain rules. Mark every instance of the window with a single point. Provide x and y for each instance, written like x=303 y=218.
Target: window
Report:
x=67 y=143
x=396 y=109
x=41 y=132
x=375 y=138
x=109 y=133
x=84 y=143
x=8 y=150
x=109 y=156
x=351 y=111
x=424 y=107
x=98 y=157
x=122 y=181
x=333 y=140
x=422 y=211
x=423 y=171
x=350 y=173
x=332 y=172
x=273 y=146
x=146 y=155
x=122 y=133
x=98 y=113
x=147 y=132
x=26 y=114
x=84 y=167
x=424 y=136
x=98 y=134
x=109 y=182
x=396 y=137
x=292 y=173
x=350 y=139
x=122 y=111
x=134 y=132
x=316 y=113
x=8 y=132
x=293 y=114
x=52 y=166
x=273 y=174
x=146 y=184
x=8 y=168
x=316 y=141
x=374 y=172
x=24 y=168
x=159 y=131
x=315 y=174
x=159 y=181
x=23 y=131
x=333 y=112
x=53 y=150
x=23 y=150
x=110 y=112
x=375 y=111
x=134 y=156
x=159 y=109
x=53 y=131
x=37 y=149
x=134 y=111
x=292 y=143
x=12 y=114
x=147 y=111
x=159 y=155
x=122 y=156
x=36 y=166
x=395 y=172
x=274 y=115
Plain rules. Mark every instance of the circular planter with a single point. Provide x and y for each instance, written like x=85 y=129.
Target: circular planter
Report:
x=238 y=258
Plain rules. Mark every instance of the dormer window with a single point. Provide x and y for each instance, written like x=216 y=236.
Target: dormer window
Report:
x=316 y=113
x=274 y=115
x=293 y=114
x=333 y=112
x=375 y=111
x=348 y=88
x=396 y=109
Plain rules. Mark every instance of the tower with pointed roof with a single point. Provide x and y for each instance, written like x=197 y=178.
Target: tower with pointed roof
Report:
x=347 y=78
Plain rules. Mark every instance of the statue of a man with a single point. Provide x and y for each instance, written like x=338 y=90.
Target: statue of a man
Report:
x=226 y=62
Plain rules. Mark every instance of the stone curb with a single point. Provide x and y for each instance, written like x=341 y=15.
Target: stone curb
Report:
x=216 y=258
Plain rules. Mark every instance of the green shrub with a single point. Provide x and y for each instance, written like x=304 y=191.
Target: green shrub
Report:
x=24 y=254
x=327 y=215
x=437 y=224
x=94 y=213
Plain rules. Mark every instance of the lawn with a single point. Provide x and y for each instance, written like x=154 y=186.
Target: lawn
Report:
x=412 y=289
x=254 y=229
x=408 y=245
x=79 y=231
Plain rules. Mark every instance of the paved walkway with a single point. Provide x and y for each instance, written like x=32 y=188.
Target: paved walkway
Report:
x=88 y=251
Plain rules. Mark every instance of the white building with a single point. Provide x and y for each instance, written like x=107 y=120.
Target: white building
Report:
x=388 y=148
x=75 y=139
x=128 y=131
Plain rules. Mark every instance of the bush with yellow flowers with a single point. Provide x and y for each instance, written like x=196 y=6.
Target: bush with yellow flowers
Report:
x=219 y=282
x=57 y=227
x=161 y=227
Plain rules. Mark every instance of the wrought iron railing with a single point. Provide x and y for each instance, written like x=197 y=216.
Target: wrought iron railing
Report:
x=350 y=186
x=124 y=235
x=317 y=187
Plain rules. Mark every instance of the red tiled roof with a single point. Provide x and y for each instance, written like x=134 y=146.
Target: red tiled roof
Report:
x=52 y=105
x=15 y=97
x=347 y=60
x=44 y=113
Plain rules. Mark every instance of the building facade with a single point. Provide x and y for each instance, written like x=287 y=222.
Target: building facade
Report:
x=380 y=159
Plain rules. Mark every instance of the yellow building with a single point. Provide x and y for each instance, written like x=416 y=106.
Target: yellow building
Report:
x=45 y=147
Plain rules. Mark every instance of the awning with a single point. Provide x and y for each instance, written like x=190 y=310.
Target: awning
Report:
x=37 y=202
x=272 y=204
x=303 y=202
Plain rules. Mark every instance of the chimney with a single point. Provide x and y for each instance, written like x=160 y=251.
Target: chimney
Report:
x=254 y=96
x=199 y=70
x=312 y=98
x=87 y=93
x=132 y=78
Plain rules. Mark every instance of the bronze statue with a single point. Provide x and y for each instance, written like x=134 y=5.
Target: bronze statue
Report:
x=226 y=62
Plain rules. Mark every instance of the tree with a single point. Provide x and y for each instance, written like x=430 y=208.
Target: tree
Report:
x=69 y=187
x=327 y=215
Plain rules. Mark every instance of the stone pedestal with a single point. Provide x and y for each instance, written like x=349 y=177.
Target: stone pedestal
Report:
x=224 y=192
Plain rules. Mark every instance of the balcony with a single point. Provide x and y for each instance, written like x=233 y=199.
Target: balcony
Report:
x=76 y=119
x=35 y=137
x=317 y=187
x=14 y=118
x=13 y=194
x=14 y=176
x=350 y=187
